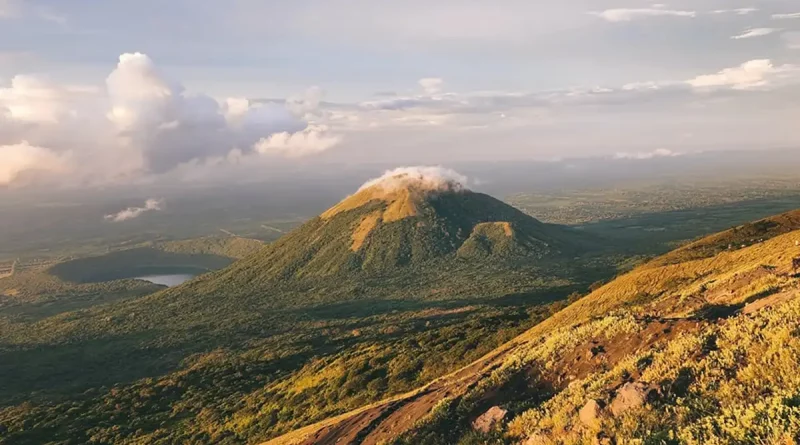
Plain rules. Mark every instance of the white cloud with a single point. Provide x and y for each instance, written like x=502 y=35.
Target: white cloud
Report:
x=755 y=32
x=142 y=124
x=658 y=153
x=36 y=100
x=630 y=14
x=432 y=85
x=23 y=159
x=312 y=140
x=434 y=178
x=792 y=15
x=749 y=75
x=738 y=11
x=151 y=205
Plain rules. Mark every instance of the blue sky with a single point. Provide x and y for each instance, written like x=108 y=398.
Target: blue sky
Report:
x=514 y=79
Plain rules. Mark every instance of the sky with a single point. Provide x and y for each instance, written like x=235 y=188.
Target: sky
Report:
x=128 y=92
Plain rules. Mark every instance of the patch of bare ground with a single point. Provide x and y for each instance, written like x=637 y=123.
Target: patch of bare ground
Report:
x=600 y=354
x=773 y=300
x=390 y=418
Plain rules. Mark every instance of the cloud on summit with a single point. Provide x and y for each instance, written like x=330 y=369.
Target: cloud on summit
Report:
x=433 y=178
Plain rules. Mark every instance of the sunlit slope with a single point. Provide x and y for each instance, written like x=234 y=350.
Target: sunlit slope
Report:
x=403 y=282
x=699 y=351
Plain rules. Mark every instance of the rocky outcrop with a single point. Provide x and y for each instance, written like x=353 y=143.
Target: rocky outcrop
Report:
x=629 y=396
x=488 y=420
x=590 y=413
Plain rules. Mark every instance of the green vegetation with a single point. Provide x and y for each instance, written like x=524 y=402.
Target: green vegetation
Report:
x=382 y=298
x=693 y=351
x=224 y=246
x=310 y=326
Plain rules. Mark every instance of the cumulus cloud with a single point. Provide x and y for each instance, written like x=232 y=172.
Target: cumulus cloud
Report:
x=755 y=32
x=432 y=178
x=151 y=205
x=143 y=123
x=630 y=14
x=33 y=99
x=314 y=139
x=23 y=159
x=154 y=115
x=749 y=75
x=658 y=153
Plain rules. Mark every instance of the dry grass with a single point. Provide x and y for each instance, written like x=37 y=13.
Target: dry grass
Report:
x=402 y=203
x=503 y=226
x=365 y=227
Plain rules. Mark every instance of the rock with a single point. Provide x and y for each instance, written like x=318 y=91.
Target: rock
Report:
x=631 y=395
x=597 y=350
x=488 y=420
x=590 y=413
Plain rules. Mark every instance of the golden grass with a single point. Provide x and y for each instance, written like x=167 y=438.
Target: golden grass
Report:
x=402 y=203
x=365 y=227
x=504 y=226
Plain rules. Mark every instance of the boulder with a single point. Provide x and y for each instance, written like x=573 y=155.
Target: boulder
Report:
x=590 y=413
x=630 y=395
x=488 y=420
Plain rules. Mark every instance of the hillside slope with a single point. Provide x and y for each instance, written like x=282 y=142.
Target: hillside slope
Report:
x=700 y=350
x=404 y=223
x=408 y=279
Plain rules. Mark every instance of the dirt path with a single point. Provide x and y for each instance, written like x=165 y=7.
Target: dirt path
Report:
x=388 y=419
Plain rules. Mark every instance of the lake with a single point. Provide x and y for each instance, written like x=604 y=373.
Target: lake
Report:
x=167 y=280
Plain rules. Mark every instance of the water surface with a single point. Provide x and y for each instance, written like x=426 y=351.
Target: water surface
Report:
x=167 y=280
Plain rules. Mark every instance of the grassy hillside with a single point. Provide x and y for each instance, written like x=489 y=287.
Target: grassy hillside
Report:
x=696 y=351
x=224 y=246
x=359 y=304
x=735 y=238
